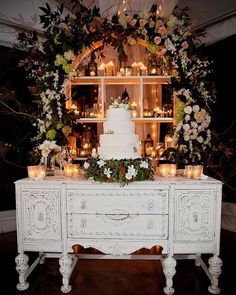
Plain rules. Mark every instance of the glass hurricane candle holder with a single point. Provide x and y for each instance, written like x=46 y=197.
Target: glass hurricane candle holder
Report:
x=163 y=170
x=197 y=171
x=188 y=171
x=41 y=171
x=32 y=172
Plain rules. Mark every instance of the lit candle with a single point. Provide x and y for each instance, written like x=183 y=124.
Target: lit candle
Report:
x=32 y=172
x=110 y=69
x=41 y=171
x=163 y=170
x=134 y=114
x=101 y=69
x=172 y=169
x=74 y=169
x=128 y=71
x=122 y=71
x=92 y=73
x=196 y=171
x=143 y=70
x=68 y=170
x=188 y=171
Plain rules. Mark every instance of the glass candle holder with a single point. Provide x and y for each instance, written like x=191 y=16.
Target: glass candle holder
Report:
x=32 y=172
x=188 y=171
x=172 y=169
x=68 y=170
x=197 y=171
x=163 y=170
x=128 y=71
x=41 y=171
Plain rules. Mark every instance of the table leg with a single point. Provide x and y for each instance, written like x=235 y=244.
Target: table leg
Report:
x=169 y=264
x=21 y=267
x=65 y=269
x=215 y=264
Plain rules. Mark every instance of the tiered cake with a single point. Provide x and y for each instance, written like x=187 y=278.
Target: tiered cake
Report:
x=119 y=140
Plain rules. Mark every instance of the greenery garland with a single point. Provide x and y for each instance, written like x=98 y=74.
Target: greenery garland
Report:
x=49 y=65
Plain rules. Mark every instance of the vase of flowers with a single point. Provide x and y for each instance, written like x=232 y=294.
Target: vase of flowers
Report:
x=49 y=150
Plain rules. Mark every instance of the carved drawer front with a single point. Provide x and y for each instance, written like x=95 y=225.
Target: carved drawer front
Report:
x=136 y=202
x=194 y=215
x=117 y=224
x=41 y=214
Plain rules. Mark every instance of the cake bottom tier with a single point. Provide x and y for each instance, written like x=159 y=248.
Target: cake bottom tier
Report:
x=118 y=153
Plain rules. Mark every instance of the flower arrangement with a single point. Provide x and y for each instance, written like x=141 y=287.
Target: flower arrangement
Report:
x=119 y=171
x=50 y=63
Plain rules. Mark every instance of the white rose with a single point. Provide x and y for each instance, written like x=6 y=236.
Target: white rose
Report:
x=194 y=124
x=186 y=137
x=200 y=139
x=196 y=108
x=187 y=118
x=86 y=165
x=188 y=110
x=186 y=126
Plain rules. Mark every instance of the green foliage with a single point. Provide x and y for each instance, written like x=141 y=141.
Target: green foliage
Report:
x=118 y=170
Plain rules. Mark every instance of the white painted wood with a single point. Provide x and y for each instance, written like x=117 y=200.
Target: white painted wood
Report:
x=181 y=215
x=7 y=221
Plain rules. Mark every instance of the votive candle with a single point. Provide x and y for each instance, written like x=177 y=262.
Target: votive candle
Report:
x=172 y=169
x=188 y=171
x=41 y=171
x=32 y=171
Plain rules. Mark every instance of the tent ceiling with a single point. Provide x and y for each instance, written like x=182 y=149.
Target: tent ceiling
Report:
x=217 y=17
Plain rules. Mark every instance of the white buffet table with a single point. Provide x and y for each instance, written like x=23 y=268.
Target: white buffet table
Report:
x=182 y=216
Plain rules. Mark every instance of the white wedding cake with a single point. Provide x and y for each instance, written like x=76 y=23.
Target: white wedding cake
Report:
x=119 y=140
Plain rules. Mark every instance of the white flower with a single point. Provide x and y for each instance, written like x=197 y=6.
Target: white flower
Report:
x=144 y=164
x=196 y=108
x=186 y=137
x=186 y=126
x=47 y=146
x=194 y=124
x=128 y=176
x=107 y=172
x=200 y=139
x=86 y=165
x=132 y=171
x=188 y=110
x=187 y=118
x=69 y=55
x=101 y=163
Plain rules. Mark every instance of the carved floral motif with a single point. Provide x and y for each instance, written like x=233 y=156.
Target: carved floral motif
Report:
x=195 y=215
x=42 y=214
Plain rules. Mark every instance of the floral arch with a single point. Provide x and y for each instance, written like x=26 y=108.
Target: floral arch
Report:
x=53 y=61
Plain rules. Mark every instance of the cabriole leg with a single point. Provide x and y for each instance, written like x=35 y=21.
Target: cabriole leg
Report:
x=21 y=267
x=169 y=265
x=215 y=264
x=65 y=269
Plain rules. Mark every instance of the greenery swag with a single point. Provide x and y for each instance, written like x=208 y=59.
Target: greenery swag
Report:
x=50 y=63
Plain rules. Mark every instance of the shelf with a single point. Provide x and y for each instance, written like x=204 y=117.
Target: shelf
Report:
x=101 y=120
x=119 y=80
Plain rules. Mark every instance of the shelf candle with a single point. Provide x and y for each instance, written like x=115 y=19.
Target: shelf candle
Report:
x=110 y=69
x=101 y=69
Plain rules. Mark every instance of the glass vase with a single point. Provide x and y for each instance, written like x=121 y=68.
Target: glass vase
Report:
x=49 y=162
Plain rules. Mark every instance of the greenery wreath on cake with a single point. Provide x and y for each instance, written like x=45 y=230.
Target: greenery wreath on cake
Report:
x=119 y=171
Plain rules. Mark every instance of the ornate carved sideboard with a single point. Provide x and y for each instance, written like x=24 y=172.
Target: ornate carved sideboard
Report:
x=183 y=216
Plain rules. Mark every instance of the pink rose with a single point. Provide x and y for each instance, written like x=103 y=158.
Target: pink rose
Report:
x=185 y=45
x=157 y=40
x=142 y=22
x=159 y=23
x=199 y=117
x=162 y=30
